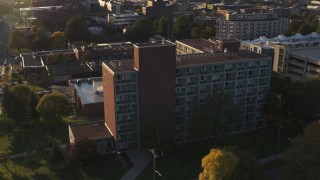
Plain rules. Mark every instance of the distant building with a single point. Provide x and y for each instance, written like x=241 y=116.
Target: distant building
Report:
x=297 y=56
x=88 y=95
x=158 y=84
x=122 y=20
x=315 y=5
x=97 y=132
x=158 y=8
x=31 y=64
x=245 y=26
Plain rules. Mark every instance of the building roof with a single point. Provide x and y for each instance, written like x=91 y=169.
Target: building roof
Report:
x=194 y=59
x=284 y=40
x=68 y=69
x=91 y=130
x=29 y=60
x=200 y=44
x=311 y=53
x=154 y=43
x=120 y=66
x=85 y=90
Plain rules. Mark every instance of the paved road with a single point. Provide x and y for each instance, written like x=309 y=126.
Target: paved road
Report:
x=4 y=36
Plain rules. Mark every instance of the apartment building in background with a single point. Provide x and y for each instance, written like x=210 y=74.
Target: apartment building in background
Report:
x=296 y=56
x=157 y=83
x=249 y=26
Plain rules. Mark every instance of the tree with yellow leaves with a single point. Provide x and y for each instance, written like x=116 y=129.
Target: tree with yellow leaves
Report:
x=218 y=164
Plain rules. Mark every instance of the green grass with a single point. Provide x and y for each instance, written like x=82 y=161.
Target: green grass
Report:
x=186 y=163
x=105 y=167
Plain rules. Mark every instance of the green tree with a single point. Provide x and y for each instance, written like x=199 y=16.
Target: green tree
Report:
x=17 y=39
x=77 y=29
x=83 y=152
x=140 y=31
x=7 y=125
x=218 y=164
x=161 y=26
x=19 y=103
x=305 y=29
x=58 y=40
x=247 y=168
x=214 y=118
x=182 y=27
x=53 y=107
x=293 y=26
x=33 y=78
x=40 y=43
x=303 y=155
x=5 y=8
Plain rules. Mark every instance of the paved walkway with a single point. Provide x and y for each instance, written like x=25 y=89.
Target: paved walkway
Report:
x=140 y=160
x=269 y=158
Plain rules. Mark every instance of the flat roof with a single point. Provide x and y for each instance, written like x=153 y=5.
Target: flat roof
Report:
x=313 y=53
x=154 y=43
x=199 y=44
x=92 y=130
x=194 y=59
x=85 y=90
x=120 y=65
x=28 y=60
x=68 y=69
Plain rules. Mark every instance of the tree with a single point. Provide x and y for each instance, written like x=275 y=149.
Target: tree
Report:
x=41 y=42
x=53 y=106
x=303 y=155
x=33 y=78
x=19 y=103
x=306 y=29
x=218 y=164
x=293 y=27
x=83 y=152
x=77 y=29
x=182 y=27
x=214 y=118
x=7 y=125
x=5 y=8
x=17 y=39
x=247 y=168
x=58 y=40
x=140 y=31
x=161 y=26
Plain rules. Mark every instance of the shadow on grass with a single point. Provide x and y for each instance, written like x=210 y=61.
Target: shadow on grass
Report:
x=184 y=160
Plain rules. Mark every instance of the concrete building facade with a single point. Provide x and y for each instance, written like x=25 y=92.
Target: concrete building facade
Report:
x=159 y=84
x=244 y=26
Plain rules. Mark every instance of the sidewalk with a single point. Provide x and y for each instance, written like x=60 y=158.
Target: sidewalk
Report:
x=140 y=160
x=24 y=154
x=269 y=158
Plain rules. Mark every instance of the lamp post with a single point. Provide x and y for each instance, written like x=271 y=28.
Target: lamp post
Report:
x=154 y=165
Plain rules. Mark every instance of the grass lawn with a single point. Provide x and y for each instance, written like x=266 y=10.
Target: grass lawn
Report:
x=104 y=168
x=186 y=163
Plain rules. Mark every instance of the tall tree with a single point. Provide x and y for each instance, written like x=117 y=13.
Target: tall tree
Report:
x=33 y=78
x=20 y=102
x=140 y=31
x=18 y=39
x=248 y=168
x=182 y=27
x=5 y=8
x=53 y=107
x=305 y=29
x=218 y=164
x=214 y=118
x=303 y=155
x=77 y=29
x=58 y=40
x=7 y=125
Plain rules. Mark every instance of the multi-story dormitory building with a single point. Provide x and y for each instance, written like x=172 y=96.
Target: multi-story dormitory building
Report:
x=158 y=84
x=248 y=26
